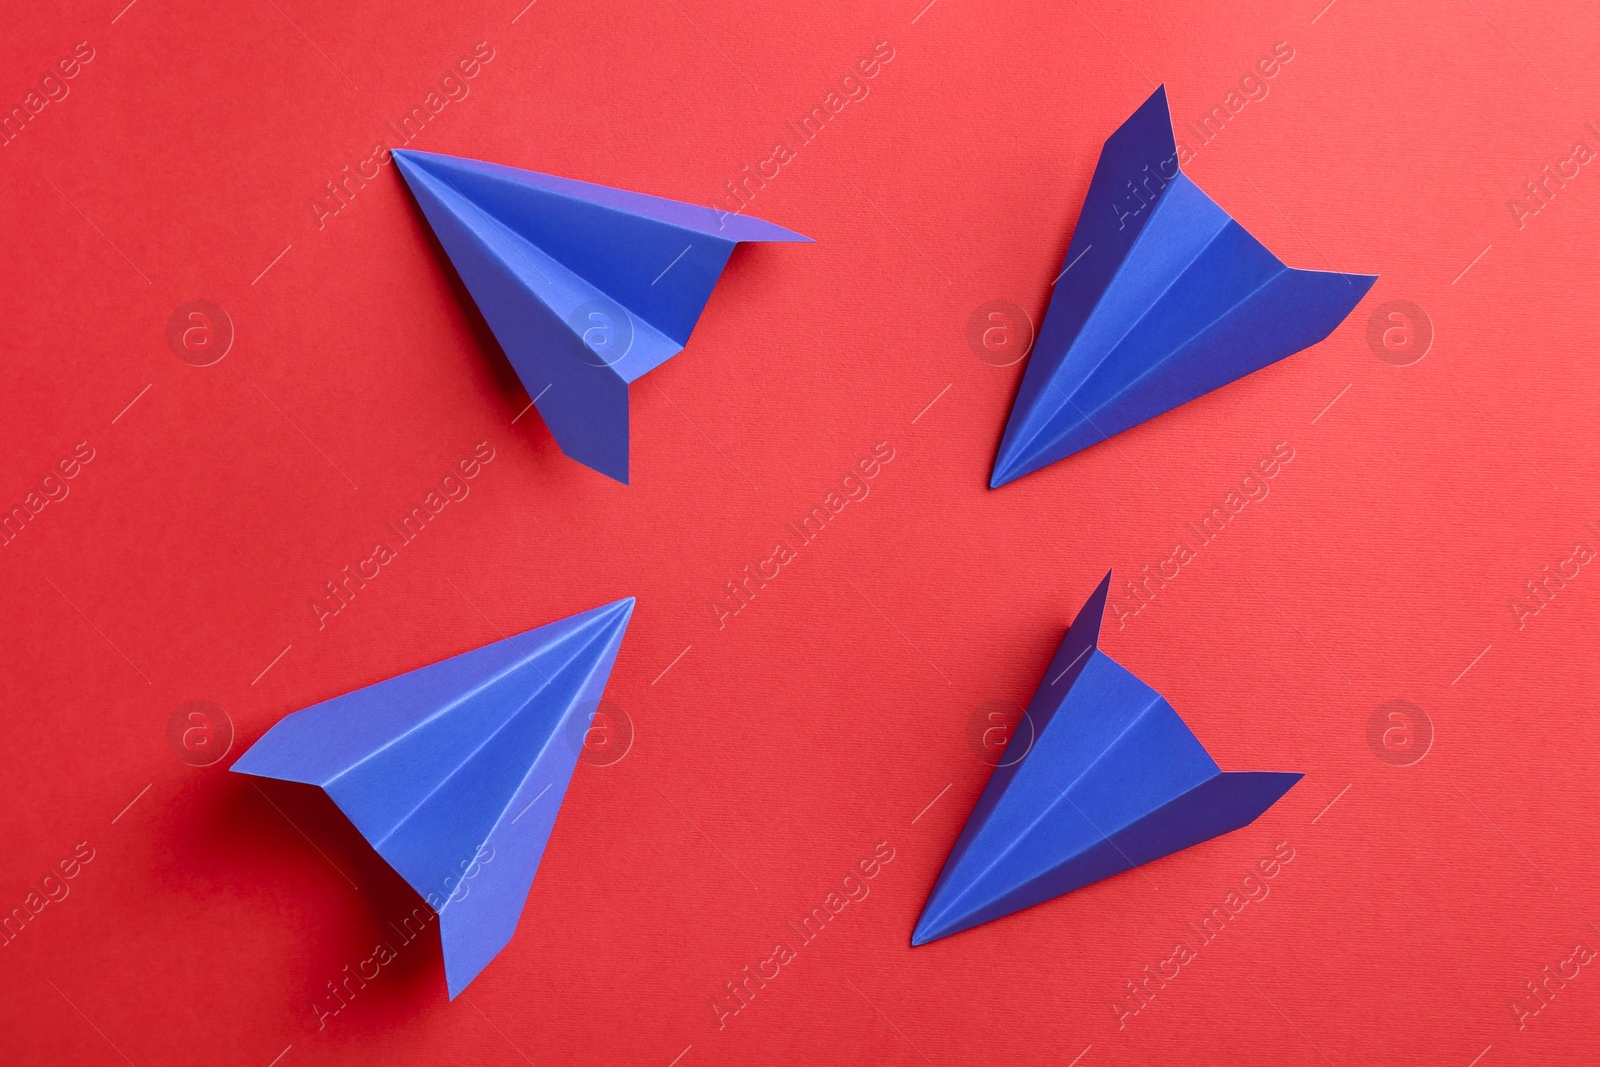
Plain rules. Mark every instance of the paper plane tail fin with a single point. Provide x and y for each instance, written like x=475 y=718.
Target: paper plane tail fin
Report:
x=1220 y=805
x=1223 y=803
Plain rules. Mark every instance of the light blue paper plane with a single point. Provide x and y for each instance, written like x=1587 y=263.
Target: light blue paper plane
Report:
x=455 y=772
x=585 y=287
x=1162 y=298
x=1111 y=778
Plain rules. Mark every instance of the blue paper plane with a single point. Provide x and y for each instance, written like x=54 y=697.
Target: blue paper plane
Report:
x=1162 y=298
x=455 y=772
x=585 y=287
x=1113 y=778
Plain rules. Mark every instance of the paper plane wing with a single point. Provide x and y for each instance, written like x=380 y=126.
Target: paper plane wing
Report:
x=455 y=772
x=1163 y=298
x=1113 y=779
x=585 y=287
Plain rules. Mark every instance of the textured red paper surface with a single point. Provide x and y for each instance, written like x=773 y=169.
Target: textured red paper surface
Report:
x=839 y=708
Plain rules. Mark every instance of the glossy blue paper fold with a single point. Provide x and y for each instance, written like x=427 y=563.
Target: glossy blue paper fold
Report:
x=1162 y=298
x=455 y=772
x=1112 y=778
x=586 y=287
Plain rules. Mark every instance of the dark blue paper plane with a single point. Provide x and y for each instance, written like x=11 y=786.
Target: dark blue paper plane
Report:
x=1113 y=779
x=455 y=772
x=585 y=287
x=1162 y=298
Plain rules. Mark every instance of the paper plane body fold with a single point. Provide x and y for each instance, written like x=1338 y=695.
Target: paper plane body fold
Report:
x=1110 y=778
x=1162 y=298
x=586 y=287
x=455 y=772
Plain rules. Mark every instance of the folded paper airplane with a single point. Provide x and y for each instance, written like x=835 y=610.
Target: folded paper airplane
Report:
x=1112 y=779
x=1162 y=298
x=585 y=287
x=455 y=772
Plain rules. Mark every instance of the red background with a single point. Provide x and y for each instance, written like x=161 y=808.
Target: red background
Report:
x=828 y=714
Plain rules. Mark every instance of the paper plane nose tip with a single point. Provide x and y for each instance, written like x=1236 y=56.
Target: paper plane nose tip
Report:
x=924 y=932
x=1005 y=470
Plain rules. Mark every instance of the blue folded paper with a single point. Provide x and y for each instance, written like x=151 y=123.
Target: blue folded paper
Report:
x=1162 y=298
x=455 y=772
x=585 y=287
x=1112 y=778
